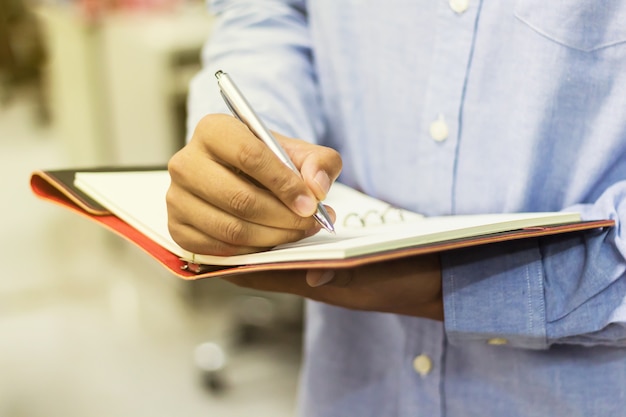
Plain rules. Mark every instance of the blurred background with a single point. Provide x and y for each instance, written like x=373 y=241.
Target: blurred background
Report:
x=89 y=325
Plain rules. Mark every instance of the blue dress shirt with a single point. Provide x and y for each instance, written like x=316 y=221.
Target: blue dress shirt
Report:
x=458 y=106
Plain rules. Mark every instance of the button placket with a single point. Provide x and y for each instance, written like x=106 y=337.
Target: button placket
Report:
x=422 y=364
x=425 y=347
x=443 y=102
x=439 y=129
x=497 y=341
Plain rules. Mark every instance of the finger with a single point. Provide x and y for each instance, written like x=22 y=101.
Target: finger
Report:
x=319 y=277
x=232 y=193
x=289 y=282
x=293 y=282
x=319 y=165
x=251 y=156
x=195 y=241
x=203 y=228
x=418 y=277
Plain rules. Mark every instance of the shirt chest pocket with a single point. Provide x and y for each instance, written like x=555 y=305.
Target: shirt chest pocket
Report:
x=586 y=25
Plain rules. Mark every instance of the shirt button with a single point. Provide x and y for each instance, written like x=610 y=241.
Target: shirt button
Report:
x=439 y=129
x=459 y=6
x=422 y=365
x=497 y=341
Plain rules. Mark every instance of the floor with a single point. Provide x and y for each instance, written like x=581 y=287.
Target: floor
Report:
x=90 y=327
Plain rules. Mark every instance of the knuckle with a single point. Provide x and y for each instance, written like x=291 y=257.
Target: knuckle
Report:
x=171 y=199
x=181 y=236
x=234 y=233
x=290 y=185
x=175 y=214
x=205 y=123
x=210 y=123
x=243 y=204
x=175 y=166
x=177 y=236
x=251 y=157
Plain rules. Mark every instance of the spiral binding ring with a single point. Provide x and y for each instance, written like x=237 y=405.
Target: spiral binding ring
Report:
x=373 y=217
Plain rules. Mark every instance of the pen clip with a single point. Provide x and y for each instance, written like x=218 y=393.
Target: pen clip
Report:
x=226 y=98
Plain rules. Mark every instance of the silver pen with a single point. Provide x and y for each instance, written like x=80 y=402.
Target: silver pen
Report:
x=242 y=110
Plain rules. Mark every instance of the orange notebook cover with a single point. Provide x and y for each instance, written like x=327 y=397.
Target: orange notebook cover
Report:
x=57 y=186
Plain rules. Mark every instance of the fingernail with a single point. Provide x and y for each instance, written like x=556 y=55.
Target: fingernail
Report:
x=305 y=205
x=315 y=279
x=323 y=181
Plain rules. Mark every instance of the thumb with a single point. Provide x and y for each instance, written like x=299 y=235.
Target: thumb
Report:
x=319 y=165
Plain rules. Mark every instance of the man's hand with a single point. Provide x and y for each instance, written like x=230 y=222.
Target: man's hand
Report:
x=408 y=286
x=231 y=195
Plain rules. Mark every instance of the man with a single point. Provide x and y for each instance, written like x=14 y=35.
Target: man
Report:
x=440 y=107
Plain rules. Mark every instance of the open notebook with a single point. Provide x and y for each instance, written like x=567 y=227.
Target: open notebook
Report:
x=130 y=201
x=364 y=224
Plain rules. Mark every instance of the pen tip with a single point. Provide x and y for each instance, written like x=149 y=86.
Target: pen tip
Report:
x=329 y=227
x=324 y=219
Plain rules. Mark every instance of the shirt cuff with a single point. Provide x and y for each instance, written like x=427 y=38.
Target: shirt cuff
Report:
x=494 y=294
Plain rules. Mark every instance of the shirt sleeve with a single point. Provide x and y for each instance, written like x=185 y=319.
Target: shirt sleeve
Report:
x=567 y=289
x=265 y=46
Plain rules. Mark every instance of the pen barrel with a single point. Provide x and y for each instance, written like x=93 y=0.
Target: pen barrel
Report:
x=241 y=109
